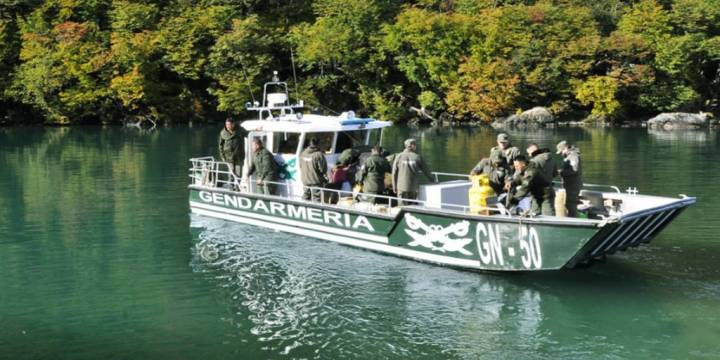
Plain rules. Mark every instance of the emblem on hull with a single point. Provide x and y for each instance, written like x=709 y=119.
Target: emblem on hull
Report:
x=436 y=237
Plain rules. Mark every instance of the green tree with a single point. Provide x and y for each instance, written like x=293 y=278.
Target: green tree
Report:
x=239 y=62
x=601 y=93
x=64 y=63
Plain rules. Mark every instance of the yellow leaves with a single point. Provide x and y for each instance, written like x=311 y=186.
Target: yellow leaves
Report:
x=129 y=88
x=132 y=49
x=600 y=92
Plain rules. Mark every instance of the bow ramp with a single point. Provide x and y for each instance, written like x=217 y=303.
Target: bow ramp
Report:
x=641 y=219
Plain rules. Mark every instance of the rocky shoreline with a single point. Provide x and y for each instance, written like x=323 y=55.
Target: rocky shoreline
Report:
x=540 y=117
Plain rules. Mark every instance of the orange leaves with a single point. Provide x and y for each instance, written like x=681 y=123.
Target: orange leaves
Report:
x=486 y=90
x=70 y=31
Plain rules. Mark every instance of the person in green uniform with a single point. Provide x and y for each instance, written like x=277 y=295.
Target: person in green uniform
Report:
x=313 y=169
x=372 y=174
x=264 y=167
x=541 y=170
x=571 y=173
x=231 y=145
x=496 y=170
x=349 y=156
x=407 y=166
x=518 y=186
x=506 y=150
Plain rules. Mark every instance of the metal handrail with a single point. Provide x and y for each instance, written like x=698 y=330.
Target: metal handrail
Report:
x=611 y=187
x=437 y=174
x=203 y=166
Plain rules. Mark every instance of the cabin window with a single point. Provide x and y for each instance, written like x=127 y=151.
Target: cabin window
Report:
x=348 y=139
x=285 y=143
x=375 y=137
x=324 y=138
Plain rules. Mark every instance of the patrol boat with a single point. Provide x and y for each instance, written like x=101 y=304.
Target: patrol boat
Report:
x=439 y=228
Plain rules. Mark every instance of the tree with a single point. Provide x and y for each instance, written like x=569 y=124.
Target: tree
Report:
x=239 y=63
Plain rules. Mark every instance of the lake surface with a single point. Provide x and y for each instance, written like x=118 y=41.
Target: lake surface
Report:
x=100 y=259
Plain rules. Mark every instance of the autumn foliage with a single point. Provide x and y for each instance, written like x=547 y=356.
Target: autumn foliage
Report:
x=64 y=62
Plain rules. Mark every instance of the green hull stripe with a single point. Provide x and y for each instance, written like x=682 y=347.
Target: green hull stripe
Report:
x=279 y=220
x=393 y=250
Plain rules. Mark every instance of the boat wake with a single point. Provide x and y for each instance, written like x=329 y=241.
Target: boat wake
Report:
x=310 y=299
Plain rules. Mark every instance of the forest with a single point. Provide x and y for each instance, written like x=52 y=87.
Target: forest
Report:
x=179 y=61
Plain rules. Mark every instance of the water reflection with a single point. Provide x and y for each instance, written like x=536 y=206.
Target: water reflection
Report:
x=307 y=298
x=696 y=136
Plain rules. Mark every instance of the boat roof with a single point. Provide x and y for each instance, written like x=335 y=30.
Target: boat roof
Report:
x=314 y=123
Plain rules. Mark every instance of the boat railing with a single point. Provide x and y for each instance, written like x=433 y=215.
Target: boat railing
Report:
x=390 y=200
x=208 y=172
x=592 y=186
x=614 y=188
x=438 y=174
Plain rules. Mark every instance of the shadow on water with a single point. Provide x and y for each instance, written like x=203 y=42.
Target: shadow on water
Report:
x=307 y=298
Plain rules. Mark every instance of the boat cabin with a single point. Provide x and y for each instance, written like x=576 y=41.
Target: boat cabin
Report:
x=286 y=133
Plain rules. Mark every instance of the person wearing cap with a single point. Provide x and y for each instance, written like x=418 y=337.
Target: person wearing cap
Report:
x=571 y=173
x=506 y=150
x=264 y=167
x=541 y=171
x=407 y=166
x=231 y=146
x=313 y=171
x=372 y=174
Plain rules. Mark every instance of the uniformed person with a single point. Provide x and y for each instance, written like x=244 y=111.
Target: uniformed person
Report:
x=349 y=156
x=518 y=185
x=571 y=173
x=372 y=174
x=313 y=167
x=541 y=170
x=264 y=167
x=496 y=170
x=407 y=166
x=506 y=150
x=231 y=145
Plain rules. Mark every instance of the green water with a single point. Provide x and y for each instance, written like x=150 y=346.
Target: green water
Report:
x=99 y=259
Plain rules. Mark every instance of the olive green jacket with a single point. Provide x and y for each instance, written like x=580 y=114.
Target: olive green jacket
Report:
x=313 y=167
x=264 y=166
x=520 y=185
x=405 y=171
x=571 y=170
x=543 y=168
x=372 y=174
x=496 y=174
x=510 y=154
x=231 y=145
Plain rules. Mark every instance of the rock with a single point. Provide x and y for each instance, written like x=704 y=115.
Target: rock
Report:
x=674 y=121
x=535 y=117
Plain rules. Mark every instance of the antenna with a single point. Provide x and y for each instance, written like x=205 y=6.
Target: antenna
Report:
x=242 y=66
x=292 y=60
